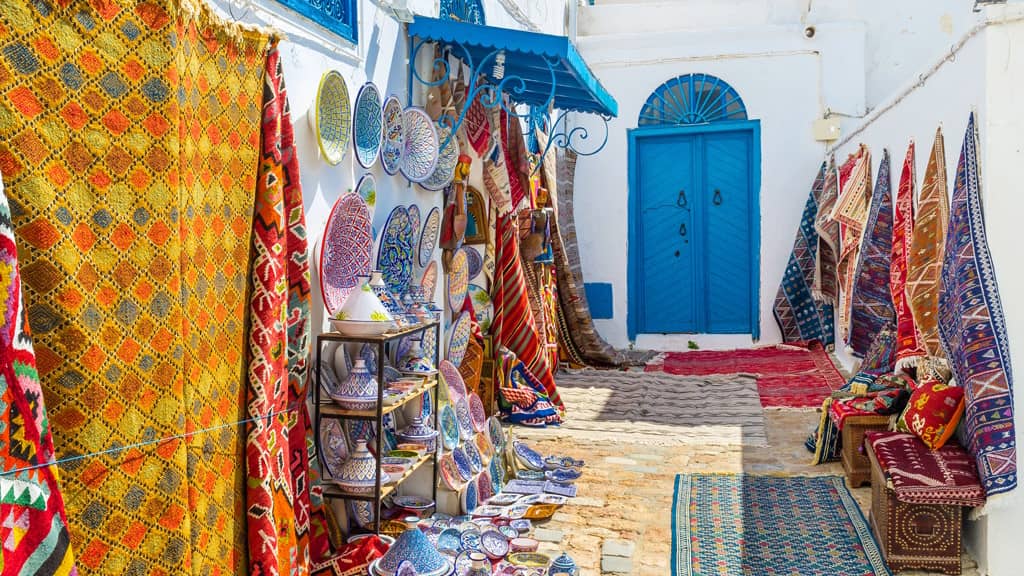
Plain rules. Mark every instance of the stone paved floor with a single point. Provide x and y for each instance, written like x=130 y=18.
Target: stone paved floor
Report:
x=625 y=493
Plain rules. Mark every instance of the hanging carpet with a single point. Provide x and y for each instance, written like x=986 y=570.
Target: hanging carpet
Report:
x=799 y=315
x=580 y=331
x=851 y=213
x=908 y=345
x=924 y=262
x=825 y=286
x=34 y=538
x=973 y=330
x=788 y=375
x=131 y=142
x=871 y=306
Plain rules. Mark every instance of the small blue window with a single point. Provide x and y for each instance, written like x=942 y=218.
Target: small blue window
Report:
x=338 y=16
x=471 y=11
x=692 y=99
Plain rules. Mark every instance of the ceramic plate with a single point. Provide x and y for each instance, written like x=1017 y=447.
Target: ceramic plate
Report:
x=528 y=456
x=483 y=443
x=508 y=531
x=487 y=510
x=453 y=378
x=462 y=464
x=465 y=420
x=530 y=559
x=394 y=258
x=494 y=543
x=360 y=430
x=429 y=345
x=450 y=472
x=567 y=490
x=477 y=413
x=447 y=159
x=415 y=221
x=367 y=190
x=521 y=526
x=458 y=280
x=474 y=260
x=503 y=499
x=532 y=475
x=428 y=239
x=345 y=250
x=449 y=427
x=476 y=461
x=484 y=489
x=483 y=308
x=449 y=539
x=458 y=338
x=333 y=445
x=524 y=487
x=428 y=281
x=563 y=475
x=333 y=117
x=419 y=156
x=394 y=136
x=496 y=432
x=469 y=498
x=413 y=502
x=367 y=125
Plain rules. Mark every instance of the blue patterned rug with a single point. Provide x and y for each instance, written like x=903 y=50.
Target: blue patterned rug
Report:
x=736 y=524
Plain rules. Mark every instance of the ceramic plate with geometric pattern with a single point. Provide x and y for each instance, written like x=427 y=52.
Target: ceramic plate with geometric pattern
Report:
x=332 y=117
x=415 y=221
x=475 y=261
x=367 y=190
x=428 y=281
x=458 y=339
x=394 y=258
x=394 y=136
x=458 y=281
x=419 y=156
x=428 y=237
x=368 y=125
x=447 y=159
x=345 y=250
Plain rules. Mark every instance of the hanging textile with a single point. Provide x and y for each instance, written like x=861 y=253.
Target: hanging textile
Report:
x=513 y=326
x=514 y=150
x=34 y=538
x=277 y=464
x=496 y=180
x=580 y=330
x=924 y=262
x=478 y=128
x=851 y=212
x=522 y=398
x=909 y=349
x=801 y=317
x=825 y=286
x=131 y=139
x=871 y=300
x=973 y=329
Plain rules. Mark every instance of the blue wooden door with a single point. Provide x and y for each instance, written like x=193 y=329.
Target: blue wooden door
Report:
x=694 y=246
x=667 y=173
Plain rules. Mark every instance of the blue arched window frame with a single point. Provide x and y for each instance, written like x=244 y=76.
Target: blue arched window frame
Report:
x=471 y=11
x=692 y=99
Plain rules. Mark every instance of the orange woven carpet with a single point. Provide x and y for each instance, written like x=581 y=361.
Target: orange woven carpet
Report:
x=129 y=142
x=794 y=376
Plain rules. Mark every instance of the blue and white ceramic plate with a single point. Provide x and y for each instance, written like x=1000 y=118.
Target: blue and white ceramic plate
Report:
x=458 y=338
x=462 y=464
x=458 y=280
x=415 y=221
x=368 y=125
x=447 y=159
x=394 y=258
x=428 y=240
x=413 y=502
x=476 y=462
x=419 y=158
x=474 y=260
x=496 y=432
x=393 y=146
x=465 y=419
x=449 y=427
x=528 y=456
x=469 y=502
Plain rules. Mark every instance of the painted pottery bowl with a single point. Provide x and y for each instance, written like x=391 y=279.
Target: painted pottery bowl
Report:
x=540 y=512
x=530 y=559
x=488 y=510
x=563 y=475
x=503 y=499
x=523 y=526
x=450 y=540
x=527 y=456
x=534 y=475
x=523 y=545
x=515 y=512
x=553 y=462
x=494 y=544
x=410 y=502
x=411 y=447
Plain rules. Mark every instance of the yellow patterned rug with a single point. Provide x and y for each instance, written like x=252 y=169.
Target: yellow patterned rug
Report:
x=129 y=144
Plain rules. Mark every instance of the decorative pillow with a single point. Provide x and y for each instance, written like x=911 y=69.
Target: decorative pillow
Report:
x=932 y=413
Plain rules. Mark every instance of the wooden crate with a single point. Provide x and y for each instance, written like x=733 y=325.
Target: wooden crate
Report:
x=913 y=536
x=855 y=462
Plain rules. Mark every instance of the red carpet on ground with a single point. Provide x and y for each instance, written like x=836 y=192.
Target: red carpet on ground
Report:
x=792 y=376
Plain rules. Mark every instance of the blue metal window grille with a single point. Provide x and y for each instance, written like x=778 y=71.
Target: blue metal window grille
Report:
x=338 y=16
x=692 y=99
x=471 y=11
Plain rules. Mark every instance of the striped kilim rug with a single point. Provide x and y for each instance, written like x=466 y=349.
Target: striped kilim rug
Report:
x=661 y=409
x=745 y=524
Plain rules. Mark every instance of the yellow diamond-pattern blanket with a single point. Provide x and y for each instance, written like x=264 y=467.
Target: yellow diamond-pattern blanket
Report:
x=129 y=144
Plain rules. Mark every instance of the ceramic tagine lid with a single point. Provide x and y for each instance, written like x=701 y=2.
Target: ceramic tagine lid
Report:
x=413 y=546
x=363 y=313
x=359 y=473
x=416 y=362
x=359 y=390
x=563 y=563
x=417 y=431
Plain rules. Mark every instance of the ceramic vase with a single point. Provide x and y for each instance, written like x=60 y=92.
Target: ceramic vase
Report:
x=358 y=474
x=359 y=390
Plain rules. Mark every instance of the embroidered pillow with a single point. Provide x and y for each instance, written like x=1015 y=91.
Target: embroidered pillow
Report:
x=932 y=413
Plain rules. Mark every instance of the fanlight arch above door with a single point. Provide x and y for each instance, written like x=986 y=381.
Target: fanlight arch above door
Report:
x=471 y=11
x=692 y=99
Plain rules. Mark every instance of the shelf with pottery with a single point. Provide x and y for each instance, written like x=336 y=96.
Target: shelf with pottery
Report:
x=330 y=409
x=334 y=491
x=386 y=337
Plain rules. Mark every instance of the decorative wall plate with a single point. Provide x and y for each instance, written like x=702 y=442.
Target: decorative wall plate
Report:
x=462 y=463
x=333 y=445
x=476 y=461
x=449 y=423
x=483 y=307
x=477 y=412
x=458 y=281
x=332 y=117
x=450 y=472
x=496 y=432
x=465 y=420
x=469 y=498
x=497 y=470
x=367 y=190
x=419 y=156
x=415 y=221
x=428 y=239
x=368 y=125
x=429 y=345
x=458 y=338
x=484 y=488
x=394 y=258
x=474 y=260
x=447 y=159
x=453 y=378
x=429 y=281
x=345 y=250
x=483 y=443
x=393 y=146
